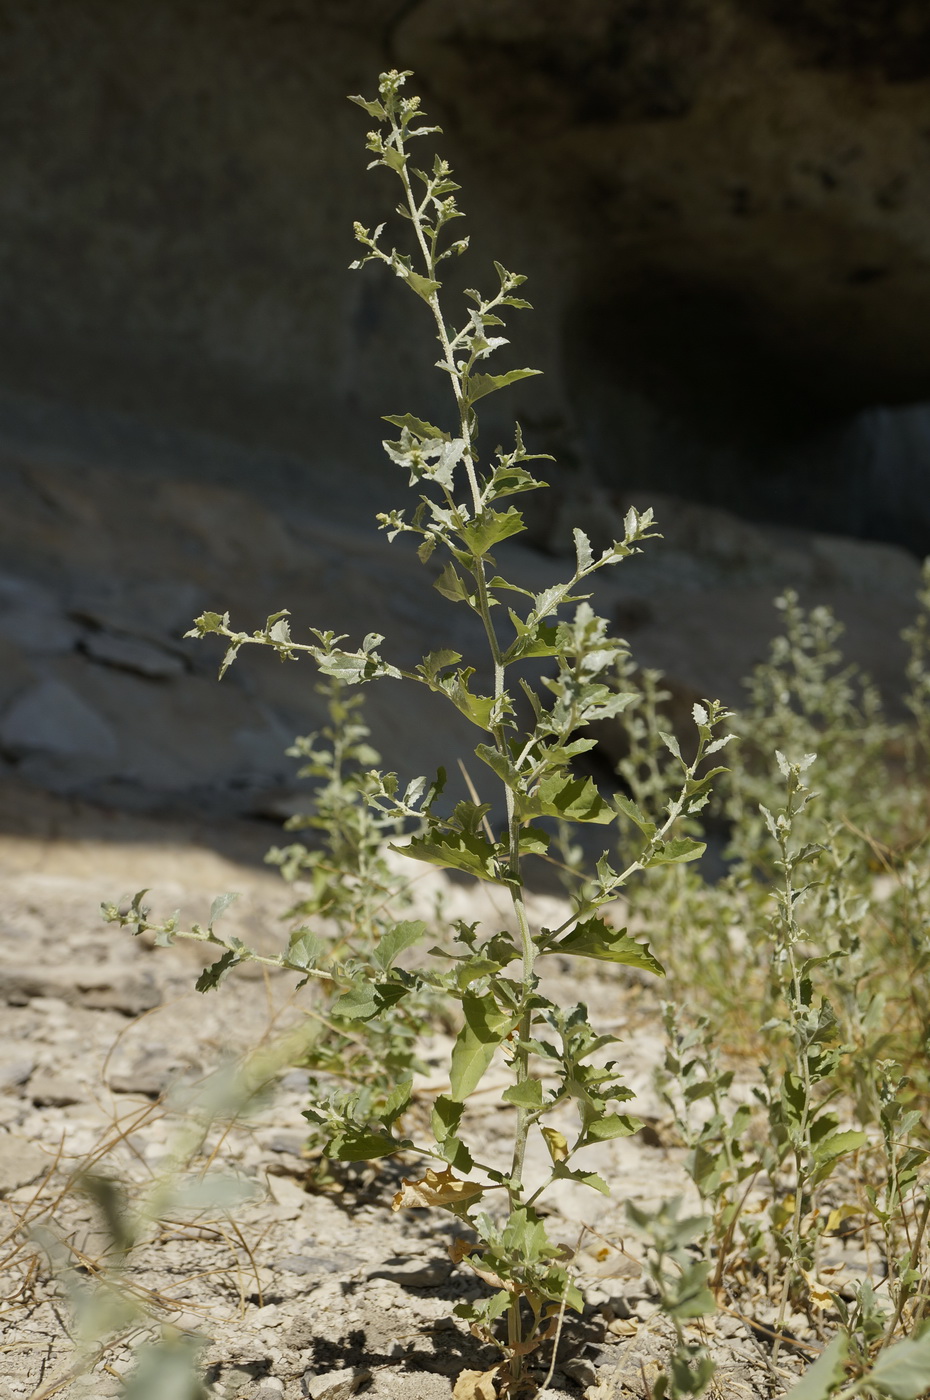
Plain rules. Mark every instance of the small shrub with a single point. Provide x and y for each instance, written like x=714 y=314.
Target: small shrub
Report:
x=462 y=512
x=812 y=949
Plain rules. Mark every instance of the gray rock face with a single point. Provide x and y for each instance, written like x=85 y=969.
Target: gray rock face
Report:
x=31 y=620
x=723 y=208
x=21 y=1162
x=51 y=718
x=135 y=717
x=133 y=654
x=101 y=988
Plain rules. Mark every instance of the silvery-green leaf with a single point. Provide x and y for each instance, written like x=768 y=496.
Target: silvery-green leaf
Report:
x=827 y=1374
x=903 y=1371
x=220 y=905
x=217 y=1191
x=401 y=936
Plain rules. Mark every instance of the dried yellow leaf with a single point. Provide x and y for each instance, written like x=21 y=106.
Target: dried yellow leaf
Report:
x=819 y=1296
x=475 y=1385
x=557 y=1144
x=839 y=1215
x=435 y=1189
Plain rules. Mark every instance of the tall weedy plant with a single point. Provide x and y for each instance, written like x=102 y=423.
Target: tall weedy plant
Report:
x=463 y=511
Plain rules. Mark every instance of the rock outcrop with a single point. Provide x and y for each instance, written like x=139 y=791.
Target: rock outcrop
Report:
x=724 y=208
x=105 y=567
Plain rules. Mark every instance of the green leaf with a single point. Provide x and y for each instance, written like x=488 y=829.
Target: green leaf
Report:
x=424 y=287
x=374 y=109
x=478 y=385
x=596 y=939
x=393 y=159
x=676 y=852
x=583 y=555
x=486 y=1310
x=838 y=1144
x=498 y=763
x=278 y=629
x=827 y=1373
x=445 y=1117
x=454 y=1151
x=534 y=639
x=456 y=850
x=469 y=816
x=510 y=480
x=357 y=1004
x=533 y=841
x=572 y=799
x=436 y=661
x=208 y=622
x=477 y=708
x=550 y=600
x=597 y=1183
x=671 y=743
x=418 y=426
x=212 y=976
x=451 y=585
x=613 y=1125
x=401 y=936
x=306 y=948
x=490 y=527
x=692 y=1297
x=366 y=999
x=220 y=905
x=484 y=1029
x=354 y=667
x=629 y=808
x=793 y=1099
x=508 y=279
x=903 y=1371
x=529 y=1094
x=397 y=1103
x=360 y=1146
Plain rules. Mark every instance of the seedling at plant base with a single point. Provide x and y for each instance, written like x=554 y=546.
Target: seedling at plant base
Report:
x=350 y=886
x=554 y=1057
x=680 y=1281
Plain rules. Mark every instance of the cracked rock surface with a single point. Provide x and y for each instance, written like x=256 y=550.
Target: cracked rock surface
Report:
x=293 y=1292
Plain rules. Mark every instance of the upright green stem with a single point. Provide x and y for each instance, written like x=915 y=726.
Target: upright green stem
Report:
x=515 y=884
x=429 y=260
x=905 y=1289
x=802 y=1145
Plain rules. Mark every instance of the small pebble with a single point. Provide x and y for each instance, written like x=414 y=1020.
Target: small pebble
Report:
x=268 y=1316
x=15 y=1072
x=335 y=1385
x=728 y=1326
x=48 y=1090
x=580 y=1369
